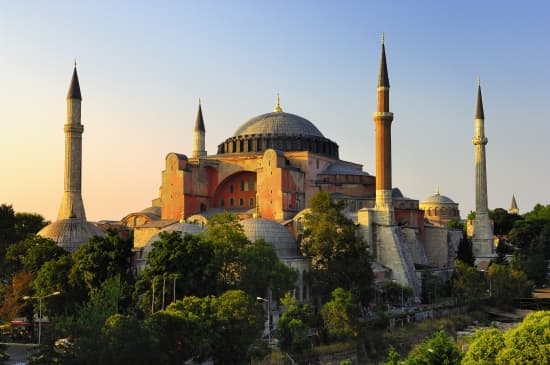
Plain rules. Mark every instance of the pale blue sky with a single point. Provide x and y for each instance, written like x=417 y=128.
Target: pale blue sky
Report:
x=143 y=65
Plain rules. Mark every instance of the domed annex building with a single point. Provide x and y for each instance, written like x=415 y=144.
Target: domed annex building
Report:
x=439 y=209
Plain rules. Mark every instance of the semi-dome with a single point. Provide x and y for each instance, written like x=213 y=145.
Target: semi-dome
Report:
x=277 y=235
x=278 y=124
x=71 y=233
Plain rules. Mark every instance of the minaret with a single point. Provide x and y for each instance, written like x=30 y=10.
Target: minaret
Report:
x=483 y=234
x=513 y=206
x=71 y=203
x=382 y=120
x=199 y=149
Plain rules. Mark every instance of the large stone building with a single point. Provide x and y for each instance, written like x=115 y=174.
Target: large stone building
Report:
x=272 y=166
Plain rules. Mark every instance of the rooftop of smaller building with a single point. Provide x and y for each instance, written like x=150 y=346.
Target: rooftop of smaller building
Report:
x=71 y=233
x=276 y=234
x=437 y=199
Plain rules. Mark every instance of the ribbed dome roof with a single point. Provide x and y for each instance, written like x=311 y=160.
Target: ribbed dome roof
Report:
x=71 y=233
x=272 y=232
x=438 y=199
x=278 y=123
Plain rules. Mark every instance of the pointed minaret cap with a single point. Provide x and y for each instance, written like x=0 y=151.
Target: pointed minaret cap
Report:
x=479 y=106
x=513 y=205
x=383 y=79
x=199 y=122
x=74 y=88
x=278 y=108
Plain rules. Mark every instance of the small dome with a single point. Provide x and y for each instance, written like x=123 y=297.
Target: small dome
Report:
x=71 y=233
x=184 y=228
x=438 y=199
x=277 y=235
x=279 y=124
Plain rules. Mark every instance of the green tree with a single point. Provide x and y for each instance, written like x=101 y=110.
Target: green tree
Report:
x=340 y=315
x=339 y=255
x=394 y=357
x=465 y=252
x=239 y=321
x=53 y=276
x=294 y=325
x=31 y=253
x=527 y=343
x=227 y=235
x=263 y=270
x=185 y=261
x=502 y=221
x=468 y=284
x=102 y=258
x=483 y=350
x=440 y=349
x=507 y=284
x=127 y=341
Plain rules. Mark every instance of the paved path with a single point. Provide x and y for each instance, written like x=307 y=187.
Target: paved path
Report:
x=18 y=352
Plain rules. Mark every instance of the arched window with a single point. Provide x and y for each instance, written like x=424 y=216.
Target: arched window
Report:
x=222 y=203
x=251 y=202
x=242 y=185
x=241 y=202
x=231 y=188
x=231 y=202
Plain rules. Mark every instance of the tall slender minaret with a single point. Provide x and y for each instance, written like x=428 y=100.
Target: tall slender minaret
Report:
x=71 y=203
x=382 y=120
x=482 y=240
x=199 y=149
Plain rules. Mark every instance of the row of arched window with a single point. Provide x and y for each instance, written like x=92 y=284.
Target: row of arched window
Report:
x=232 y=201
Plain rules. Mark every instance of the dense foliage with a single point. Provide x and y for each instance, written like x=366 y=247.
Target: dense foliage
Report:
x=527 y=343
x=339 y=255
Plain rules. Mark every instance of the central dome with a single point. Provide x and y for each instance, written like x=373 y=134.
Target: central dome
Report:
x=278 y=124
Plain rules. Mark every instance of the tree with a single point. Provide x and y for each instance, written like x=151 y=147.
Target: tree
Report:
x=227 y=235
x=465 y=252
x=31 y=253
x=239 y=321
x=340 y=315
x=222 y=328
x=467 y=283
x=502 y=221
x=294 y=325
x=527 y=343
x=102 y=258
x=54 y=276
x=486 y=345
x=83 y=331
x=262 y=270
x=127 y=341
x=437 y=350
x=507 y=284
x=338 y=253
x=186 y=262
x=13 y=304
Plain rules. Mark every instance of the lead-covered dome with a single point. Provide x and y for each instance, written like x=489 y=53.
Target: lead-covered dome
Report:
x=70 y=233
x=278 y=236
x=280 y=131
x=278 y=124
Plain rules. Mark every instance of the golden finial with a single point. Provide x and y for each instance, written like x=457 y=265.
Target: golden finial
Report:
x=437 y=191
x=478 y=82
x=382 y=37
x=75 y=63
x=278 y=108
x=199 y=101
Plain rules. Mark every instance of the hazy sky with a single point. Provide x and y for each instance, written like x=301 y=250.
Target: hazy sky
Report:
x=143 y=66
